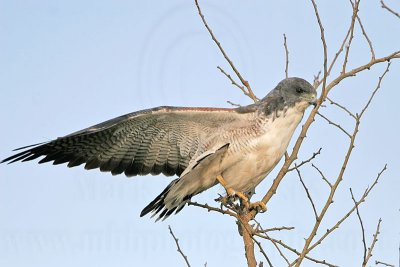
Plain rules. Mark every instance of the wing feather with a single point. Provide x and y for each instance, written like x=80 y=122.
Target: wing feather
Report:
x=160 y=140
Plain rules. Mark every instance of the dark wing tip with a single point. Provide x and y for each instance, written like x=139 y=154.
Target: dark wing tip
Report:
x=26 y=155
x=24 y=147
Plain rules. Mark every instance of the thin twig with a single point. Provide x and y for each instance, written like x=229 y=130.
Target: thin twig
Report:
x=306 y=247
x=330 y=197
x=334 y=124
x=275 y=229
x=233 y=104
x=361 y=224
x=365 y=34
x=322 y=175
x=242 y=80
x=353 y=19
x=325 y=47
x=384 y=263
x=316 y=81
x=341 y=107
x=306 y=161
x=178 y=247
x=262 y=251
x=210 y=208
x=376 y=89
x=286 y=56
x=233 y=81
x=338 y=223
x=259 y=229
x=374 y=240
x=280 y=252
x=384 y=6
x=293 y=250
x=308 y=193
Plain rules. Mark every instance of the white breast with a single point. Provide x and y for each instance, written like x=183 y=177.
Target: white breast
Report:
x=266 y=151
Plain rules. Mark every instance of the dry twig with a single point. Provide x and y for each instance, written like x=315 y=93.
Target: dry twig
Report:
x=334 y=124
x=341 y=107
x=384 y=6
x=353 y=19
x=308 y=193
x=347 y=215
x=322 y=175
x=178 y=247
x=306 y=161
x=286 y=56
x=384 y=263
x=362 y=226
x=340 y=176
x=245 y=83
x=374 y=240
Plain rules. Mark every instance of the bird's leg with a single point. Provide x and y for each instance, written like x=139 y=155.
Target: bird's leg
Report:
x=232 y=193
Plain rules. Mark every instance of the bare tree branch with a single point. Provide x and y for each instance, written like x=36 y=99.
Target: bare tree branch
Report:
x=178 y=247
x=362 y=226
x=306 y=161
x=338 y=223
x=334 y=124
x=308 y=194
x=325 y=47
x=242 y=80
x=339 y=178
x=210 y=208
x=353 y=19
x=364 y=33
x=233 y=104
x=322 y=175
x=384 y=263
x=341 y=107
x=374 y=240
x=376 y=89
x=241 y=87
x=286 y=56
x=274 y=229
x=384 y=6
x=293 y=250
x=262 y=251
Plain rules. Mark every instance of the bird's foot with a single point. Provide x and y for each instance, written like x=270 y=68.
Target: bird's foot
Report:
x=258 y=206
x=231 y=196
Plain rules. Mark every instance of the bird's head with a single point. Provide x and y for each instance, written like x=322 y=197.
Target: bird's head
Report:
x=297 y=91
x=290 y=92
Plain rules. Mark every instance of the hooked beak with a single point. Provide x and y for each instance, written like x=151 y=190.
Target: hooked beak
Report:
x=313 y=101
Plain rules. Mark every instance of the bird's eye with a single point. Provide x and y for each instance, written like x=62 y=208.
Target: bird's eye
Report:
x=299 y=90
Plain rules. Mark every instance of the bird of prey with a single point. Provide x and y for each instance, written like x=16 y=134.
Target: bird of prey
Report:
x=236 y=147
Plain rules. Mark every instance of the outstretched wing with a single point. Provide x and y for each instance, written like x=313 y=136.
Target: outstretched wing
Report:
x=160 y=140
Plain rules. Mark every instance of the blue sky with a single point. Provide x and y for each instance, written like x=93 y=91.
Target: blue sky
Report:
x=66 y=65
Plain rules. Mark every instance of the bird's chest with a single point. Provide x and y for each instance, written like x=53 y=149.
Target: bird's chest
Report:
x=251 y=158
x=266 y=150
x=276 y=135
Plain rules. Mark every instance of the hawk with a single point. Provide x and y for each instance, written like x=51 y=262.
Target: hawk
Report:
x=236 y=147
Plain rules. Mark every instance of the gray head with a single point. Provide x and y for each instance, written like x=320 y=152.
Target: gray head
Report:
x=294 y=90
x=288 y=93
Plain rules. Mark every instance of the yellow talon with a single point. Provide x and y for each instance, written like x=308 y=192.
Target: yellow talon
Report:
x=259 y=206
x=232 y=193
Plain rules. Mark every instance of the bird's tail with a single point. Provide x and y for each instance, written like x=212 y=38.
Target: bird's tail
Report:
x=159 y=204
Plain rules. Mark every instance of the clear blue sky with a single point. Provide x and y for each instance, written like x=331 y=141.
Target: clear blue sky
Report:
x=66 y=65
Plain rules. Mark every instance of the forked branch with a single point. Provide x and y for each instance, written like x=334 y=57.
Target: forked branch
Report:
x=242 y=80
